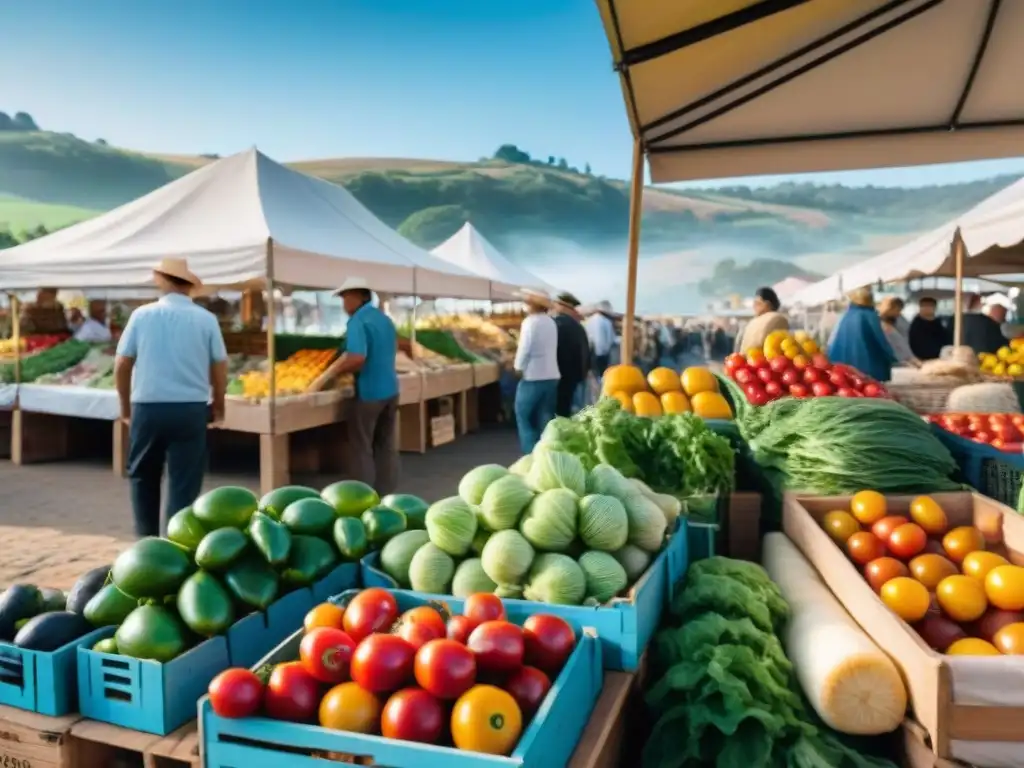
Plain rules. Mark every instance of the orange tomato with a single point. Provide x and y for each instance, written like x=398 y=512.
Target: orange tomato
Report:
x=884 y=527
x=864 y=547
x=961 y=598
x=1010 y=639
x=486 y=719
x=978 y=564
x=907 y=540
x=324 y=615
x=961 y=541
x=840 y=526
x=972 y=646
x=350 y=707
x=1004 y=586
x=879 y=571
x=868 y=507
x=625 y=400
x=907 y=598
x=930 y=569
x=926 y=512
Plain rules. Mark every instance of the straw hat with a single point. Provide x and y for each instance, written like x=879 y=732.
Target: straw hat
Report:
x=862 y=297
x=889 y=305
x=567 y=300
x=536 y=298
x=177 y=268
x=353 y=284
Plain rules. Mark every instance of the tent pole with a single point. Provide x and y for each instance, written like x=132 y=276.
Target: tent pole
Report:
x=958 y=300
x=15 y=306
x=635 y=210
x=271 y=340
x=412 y=321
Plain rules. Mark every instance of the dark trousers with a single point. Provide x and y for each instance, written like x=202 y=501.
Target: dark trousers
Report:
x=566 y=396
x=601 y=365
x=171 y=433
x=371 y=431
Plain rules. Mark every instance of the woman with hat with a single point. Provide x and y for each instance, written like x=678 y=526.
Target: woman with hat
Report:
x=890 y=310
x=573 y=354
x=767 y=319
x=171 y=364
x=536 y=362
x=859 y=340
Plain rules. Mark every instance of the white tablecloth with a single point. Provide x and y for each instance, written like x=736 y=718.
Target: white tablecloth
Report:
x=8 y=393
x=83 y=402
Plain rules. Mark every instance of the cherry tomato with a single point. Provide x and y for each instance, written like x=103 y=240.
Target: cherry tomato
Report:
x=790 y=377
x=767 y=374
x=528 y=687
x=498 y=646
x=907 y=598
x=756 y=394
x=840 y=526
x=907 y=540
x=773 y=389
x=879 y=571
x=1004 y=586
x=324 y=615
x=872 y=390
x=961 y=541
x=548 y=643
x=372 y=610
x=961 y=598
x=350 y=707
x=734 y=361
x=868 y=507
x=864 y=547
x=929 y=515
x=292 y=693
x=236 y=693
x=884 y=527
x=445 y=668
x=484 y=606
x=383 y=663
x=821 y=389
x=745 y=376
x=978 y=564
x=459 y=628
x=930 y=569
x=972 y=646
x=412 y=714
x=1010 y=640
x=799 y=391
x=486 y=719
x=421 y=625
x=326 y=654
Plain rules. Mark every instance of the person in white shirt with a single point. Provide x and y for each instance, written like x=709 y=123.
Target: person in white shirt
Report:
x=601 y=332
x=94 y=329
x=536 y=362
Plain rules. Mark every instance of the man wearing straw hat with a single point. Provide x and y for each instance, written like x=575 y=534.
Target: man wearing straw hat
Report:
x=537 y=364
x=171 y=365
x=371 y=342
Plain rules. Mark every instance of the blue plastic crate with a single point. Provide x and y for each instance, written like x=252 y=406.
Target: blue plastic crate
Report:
x=547 y=742
x=44 y=682
x=992 y=472
x=624 y=625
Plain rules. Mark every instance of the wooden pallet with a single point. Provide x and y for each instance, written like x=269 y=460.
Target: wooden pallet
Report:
x=100 y=745
x=28 y=740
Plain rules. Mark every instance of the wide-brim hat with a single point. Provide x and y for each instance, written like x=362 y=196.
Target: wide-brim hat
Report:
x=567 y=300
x=998 y=300
x=538 y=298
x=178 y=269
x=353 y=284
x=863 y=296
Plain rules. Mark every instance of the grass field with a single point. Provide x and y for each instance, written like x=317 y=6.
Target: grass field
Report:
x=17 y=215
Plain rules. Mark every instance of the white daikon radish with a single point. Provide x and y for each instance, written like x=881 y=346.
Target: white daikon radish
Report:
x=850 y=682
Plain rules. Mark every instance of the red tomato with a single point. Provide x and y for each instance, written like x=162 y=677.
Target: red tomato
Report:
x=799 y=390
x=812 y=375
x=421 y=625
x=907 y=540
x=498 y=646
x=412 y=715
x=821 y=389
x=459 y=628
x=838 y=379
x=445 y=669
x=744 y=376
x=820 y=361
x=236 y=693
x=863 y=547
x=779 y=364
x=734 y=362
x=773 y=389
x=847 y=392
x=982 y=437
x=756 y=394
x=883 y=528
x=383 y=663
x=549 y=641
x=766 y=374
x=872 y=390
x=528 y=687
x=790 y=377
x=484 y=606
x=372 y=610
x=1018 y=421
x=292 y=694
x=326 y=653
x=1006 y=432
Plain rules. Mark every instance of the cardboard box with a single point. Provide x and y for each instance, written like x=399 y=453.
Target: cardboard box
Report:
x=928 y=674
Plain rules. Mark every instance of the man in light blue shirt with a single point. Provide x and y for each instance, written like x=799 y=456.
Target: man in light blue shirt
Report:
x=371 y=343
x=171 y=365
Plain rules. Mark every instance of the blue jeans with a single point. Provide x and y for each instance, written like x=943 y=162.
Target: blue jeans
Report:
x=535 y=407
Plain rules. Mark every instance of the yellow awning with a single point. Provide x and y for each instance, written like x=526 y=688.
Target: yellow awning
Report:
x=720 y=88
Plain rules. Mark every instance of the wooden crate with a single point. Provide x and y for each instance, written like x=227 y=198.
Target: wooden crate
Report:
x=94 y=745
x=28 y=740
x=917 y=752
x=442 y=430
x=603 y=742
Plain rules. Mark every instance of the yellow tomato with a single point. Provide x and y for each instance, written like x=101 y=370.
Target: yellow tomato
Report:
x=1004 y=586
x=647 y=405
x=961 y=597
x=972 y=646
x=1016 y=369
x=663 y=380
x=961 y=541
x=1010 y=639
x=978 y=564
x=926 y=512
x=907 y=598
x=999 y=369
x=1003 y=352
x=350 y=707
x=809 y=347
x=486 y=719
x=930 y=569
x=625 y=400
x=675 y=402
x=868 y=507
x=754 y=355
x=776 y=337
x=711 y=405
x=801 y=336
x=840 y=526
x=696 y=380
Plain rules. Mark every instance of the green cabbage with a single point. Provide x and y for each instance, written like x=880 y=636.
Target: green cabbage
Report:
x=431 y=570
x=509 y=591
x=634 y=561
x=554 y=469
x=604 y=524
x=451 y=524
x=475 y=482
x=605 y=576
x=550 y=521
x=556 y=579
x=482 y=535
x=506 y=557
x=670 y=506
x=470 y=578
x=647 y=522
x=522 y=465
x=398 y=552
x=504 y=501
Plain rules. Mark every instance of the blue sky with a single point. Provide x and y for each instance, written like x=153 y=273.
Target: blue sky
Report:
x=447 y=79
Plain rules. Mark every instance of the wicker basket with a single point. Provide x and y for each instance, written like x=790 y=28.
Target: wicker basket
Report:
x=921 y=398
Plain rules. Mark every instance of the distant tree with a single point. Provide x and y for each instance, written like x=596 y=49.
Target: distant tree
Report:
x=551 y=159
x=6 y=124
x=562 y=164
x=510 y=153
x=102 y=142
x=23 y=122
x=432 y=226
x=7 y=240
x=586 y=169
x=35 y=233
x=210 y=155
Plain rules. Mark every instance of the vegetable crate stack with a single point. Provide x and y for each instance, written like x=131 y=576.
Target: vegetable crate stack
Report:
x=391 y=678
x=932 y=580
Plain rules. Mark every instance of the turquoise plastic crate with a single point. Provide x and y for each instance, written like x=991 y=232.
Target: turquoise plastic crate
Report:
x=624 y=625
x=994 y=473
x=44 y=682
x=547 y=742
x=159 y=698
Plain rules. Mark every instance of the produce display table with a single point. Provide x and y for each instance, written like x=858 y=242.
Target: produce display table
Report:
x=442 y=411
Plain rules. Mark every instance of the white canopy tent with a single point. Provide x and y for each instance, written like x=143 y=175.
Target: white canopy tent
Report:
x=243 y=220
x=471 y=251
x=726 y=88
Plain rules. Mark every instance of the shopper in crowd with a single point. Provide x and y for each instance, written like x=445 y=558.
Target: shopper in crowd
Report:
x=828 y=323
x=859 y=340
x=44 y=315
x=890 y=310
x=767 y=319
x=94 y=329
x=927 y=334
x=371 y=343
x=171 y=365
x=983 y=331
x=601 y=333
x=75 y=320
x=573 y=354
x=536 y=362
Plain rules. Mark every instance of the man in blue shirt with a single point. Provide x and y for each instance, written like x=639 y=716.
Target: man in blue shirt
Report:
x=370 y=347
x=171 y=365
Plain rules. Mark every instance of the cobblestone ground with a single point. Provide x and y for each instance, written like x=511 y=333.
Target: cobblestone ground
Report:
x=59 y=520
